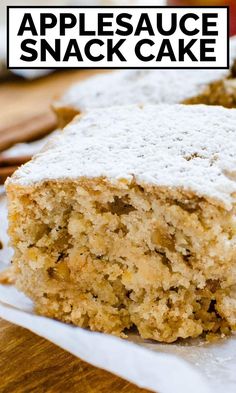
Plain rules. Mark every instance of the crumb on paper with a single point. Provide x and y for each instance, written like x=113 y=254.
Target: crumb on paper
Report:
x=7 y=276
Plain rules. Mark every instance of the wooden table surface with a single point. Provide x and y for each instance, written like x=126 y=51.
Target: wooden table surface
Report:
x=25 y=106
x=29 y=363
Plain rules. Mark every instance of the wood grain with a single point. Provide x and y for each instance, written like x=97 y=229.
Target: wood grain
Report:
x=30 y=364
x=8 y=165
x=26 y=112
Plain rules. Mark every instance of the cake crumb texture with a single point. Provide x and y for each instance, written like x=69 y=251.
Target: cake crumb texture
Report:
x=110 y=257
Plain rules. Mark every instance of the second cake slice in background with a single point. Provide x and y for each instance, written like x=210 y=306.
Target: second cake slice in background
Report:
x=211 y=87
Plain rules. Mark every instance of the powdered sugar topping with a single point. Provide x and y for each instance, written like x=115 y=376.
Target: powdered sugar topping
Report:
x=142 y=87
x=192 y=147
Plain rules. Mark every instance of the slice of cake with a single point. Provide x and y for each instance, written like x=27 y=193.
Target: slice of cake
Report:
x=128 y=219
x=211 y=87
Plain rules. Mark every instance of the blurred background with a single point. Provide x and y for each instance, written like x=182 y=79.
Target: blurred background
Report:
x=26 y=95
x=230 y=3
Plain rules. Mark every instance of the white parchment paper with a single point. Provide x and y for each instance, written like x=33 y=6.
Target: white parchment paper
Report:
x=189 y=367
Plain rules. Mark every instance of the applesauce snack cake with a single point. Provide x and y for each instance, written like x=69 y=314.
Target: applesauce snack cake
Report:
x=212 y=87
x=128 y=218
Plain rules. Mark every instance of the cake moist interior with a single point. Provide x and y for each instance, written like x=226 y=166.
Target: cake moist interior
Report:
x=111 y=256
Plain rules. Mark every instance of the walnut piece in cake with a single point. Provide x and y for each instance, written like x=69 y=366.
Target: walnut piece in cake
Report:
x=128 y=219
